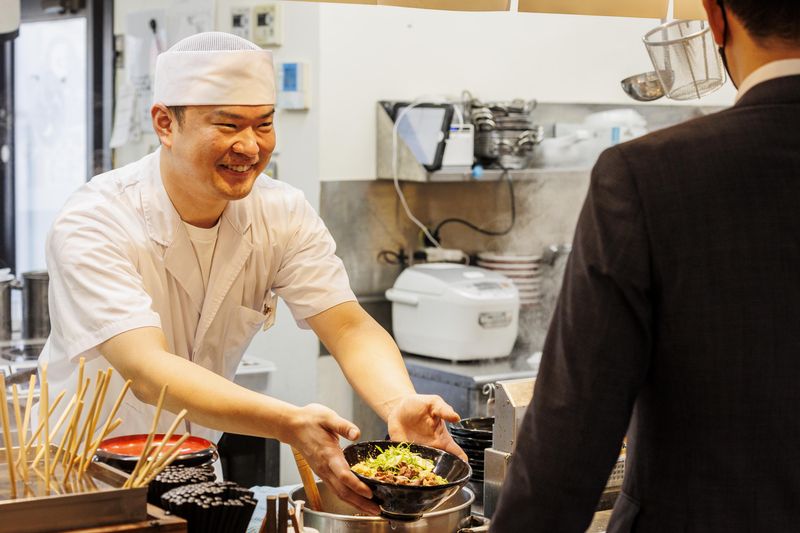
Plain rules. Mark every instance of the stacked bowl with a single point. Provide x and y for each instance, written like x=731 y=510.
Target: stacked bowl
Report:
x=473 y=435
x=523 y=270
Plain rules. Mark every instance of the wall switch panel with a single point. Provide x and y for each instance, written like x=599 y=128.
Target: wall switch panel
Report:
x=267 y=24
x=240 y=22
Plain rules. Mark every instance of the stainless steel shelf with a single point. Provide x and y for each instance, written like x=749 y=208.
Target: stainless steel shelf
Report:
x=527 y=174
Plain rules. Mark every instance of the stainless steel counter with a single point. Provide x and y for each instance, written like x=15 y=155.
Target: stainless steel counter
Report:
x=467 y=386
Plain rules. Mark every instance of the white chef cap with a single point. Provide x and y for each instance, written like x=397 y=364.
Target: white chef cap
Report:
x=214 y=68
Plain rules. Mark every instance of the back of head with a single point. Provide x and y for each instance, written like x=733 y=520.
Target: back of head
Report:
x=769 y=20
x=214 y=68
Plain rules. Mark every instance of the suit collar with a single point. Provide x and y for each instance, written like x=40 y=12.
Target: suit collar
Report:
x=784 y=90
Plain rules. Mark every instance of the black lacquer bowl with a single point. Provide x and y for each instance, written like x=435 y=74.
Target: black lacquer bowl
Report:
x=408 y=502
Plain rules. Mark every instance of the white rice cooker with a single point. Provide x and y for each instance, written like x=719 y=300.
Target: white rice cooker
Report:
x=454 y=312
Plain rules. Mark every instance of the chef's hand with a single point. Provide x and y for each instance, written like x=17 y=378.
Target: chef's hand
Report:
x=420 y=418
x=316 y=430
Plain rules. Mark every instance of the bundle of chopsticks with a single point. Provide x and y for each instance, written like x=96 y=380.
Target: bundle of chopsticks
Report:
x=280 y=514
x=154 y=459
x=83 y=434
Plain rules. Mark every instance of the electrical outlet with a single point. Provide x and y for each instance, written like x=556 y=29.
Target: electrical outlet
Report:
x=267 y=24
x=240 y=22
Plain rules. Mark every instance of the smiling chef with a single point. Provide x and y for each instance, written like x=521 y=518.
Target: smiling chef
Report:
x=166 y=269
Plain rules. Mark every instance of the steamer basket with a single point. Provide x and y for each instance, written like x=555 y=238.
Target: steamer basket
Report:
x=685 y=58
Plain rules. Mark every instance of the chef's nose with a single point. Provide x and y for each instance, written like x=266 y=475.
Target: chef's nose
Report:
x=246 y=143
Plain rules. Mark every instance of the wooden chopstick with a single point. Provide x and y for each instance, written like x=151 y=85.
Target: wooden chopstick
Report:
x=309 y=483
x=93 y=447
x=149 y=465
x=164 y=463
x=149 y=441
x=12 y=478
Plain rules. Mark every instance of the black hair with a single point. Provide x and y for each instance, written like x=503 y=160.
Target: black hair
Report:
x=179 y=111
x=768 y=19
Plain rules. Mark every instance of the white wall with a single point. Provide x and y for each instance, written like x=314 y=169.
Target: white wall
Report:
x=374 y=53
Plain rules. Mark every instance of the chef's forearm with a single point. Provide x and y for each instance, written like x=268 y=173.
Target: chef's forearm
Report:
x=210 y=399
x=367 y=355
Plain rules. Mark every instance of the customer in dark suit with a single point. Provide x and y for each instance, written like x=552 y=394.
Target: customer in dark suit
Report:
x=680 y=314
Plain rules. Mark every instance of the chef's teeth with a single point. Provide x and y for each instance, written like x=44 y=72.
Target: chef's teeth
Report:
x=239 y=168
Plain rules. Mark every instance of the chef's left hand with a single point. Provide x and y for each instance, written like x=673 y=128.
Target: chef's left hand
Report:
x=421 y=418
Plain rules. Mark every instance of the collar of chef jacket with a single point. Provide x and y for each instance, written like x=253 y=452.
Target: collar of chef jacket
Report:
x=234 y=246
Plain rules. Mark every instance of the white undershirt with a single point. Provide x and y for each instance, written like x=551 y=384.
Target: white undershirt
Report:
x=204 y=240
x=770 y=71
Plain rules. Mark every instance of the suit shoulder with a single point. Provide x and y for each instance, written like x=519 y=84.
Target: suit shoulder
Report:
x=686 y=137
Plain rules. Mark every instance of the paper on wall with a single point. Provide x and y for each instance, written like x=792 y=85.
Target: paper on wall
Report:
x=613 y=8
x=123 y=115
x=143 y=44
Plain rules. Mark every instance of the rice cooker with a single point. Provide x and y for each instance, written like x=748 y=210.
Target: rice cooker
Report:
x=454 y=312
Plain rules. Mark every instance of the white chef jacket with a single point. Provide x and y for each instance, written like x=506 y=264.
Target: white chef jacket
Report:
x=119 y=258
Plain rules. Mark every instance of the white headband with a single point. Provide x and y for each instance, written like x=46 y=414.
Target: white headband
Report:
x=215 y=77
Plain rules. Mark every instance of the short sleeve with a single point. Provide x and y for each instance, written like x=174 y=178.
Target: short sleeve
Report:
x=311 y=278
x=95 y=290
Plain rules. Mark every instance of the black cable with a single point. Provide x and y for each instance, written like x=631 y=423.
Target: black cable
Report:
x=470 y=225
x=390 y=257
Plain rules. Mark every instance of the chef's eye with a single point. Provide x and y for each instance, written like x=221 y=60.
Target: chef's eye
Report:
x=229 y=126
x=265 y=125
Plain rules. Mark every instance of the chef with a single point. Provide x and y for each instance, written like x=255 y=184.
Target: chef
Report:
x=166 y=268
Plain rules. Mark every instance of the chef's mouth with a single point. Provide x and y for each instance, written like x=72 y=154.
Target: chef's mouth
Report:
x=241 y=169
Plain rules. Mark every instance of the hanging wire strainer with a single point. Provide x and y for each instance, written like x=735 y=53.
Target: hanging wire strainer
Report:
x=685 y=58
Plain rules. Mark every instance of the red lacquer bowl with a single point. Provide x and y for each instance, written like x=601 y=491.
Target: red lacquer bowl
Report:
x=123 y=452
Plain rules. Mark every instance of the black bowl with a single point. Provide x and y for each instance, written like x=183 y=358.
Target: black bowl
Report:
x=467 y=442
x=475 y=428
x=407 y=502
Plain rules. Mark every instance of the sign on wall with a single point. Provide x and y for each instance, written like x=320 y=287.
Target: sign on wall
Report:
x=613 y=8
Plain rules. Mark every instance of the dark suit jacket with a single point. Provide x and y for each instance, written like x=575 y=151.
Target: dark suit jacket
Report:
x=679 y=313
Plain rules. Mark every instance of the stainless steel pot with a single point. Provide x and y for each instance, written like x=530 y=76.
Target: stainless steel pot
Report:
x=35 y=307
x=8 y=283
x=5 y=308
x=341 y=517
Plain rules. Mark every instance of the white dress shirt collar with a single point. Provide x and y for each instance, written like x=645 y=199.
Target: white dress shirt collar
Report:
x=770 y=71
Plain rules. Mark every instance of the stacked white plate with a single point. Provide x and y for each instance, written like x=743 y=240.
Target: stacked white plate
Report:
x=524 y=270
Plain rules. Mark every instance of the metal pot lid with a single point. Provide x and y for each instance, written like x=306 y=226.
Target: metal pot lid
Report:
x=36 y=275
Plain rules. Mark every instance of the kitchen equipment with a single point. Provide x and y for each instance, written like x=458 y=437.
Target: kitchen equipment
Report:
x=409 y=502
x=123 y=452
x=341 y=517
x=644 y=87
x=454 y=312
x=511 y=401
x=505 y=134
x=35 y=308
x=685 y=58
x=7 y=282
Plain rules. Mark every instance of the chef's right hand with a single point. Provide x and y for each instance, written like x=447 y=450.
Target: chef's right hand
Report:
x=314 y=432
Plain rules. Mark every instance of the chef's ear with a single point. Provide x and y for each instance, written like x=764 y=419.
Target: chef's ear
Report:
x=165 y=123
